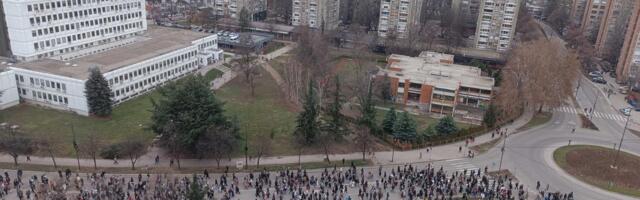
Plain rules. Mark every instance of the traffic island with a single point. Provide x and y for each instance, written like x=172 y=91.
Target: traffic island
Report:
x=593 y=165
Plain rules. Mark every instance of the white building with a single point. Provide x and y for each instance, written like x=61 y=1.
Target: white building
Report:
x=54 y=28
x=536 y=8
x=397 y=16
x=232 y=8
x=158 y=56
x=316 y=13
x=496 y=24
x=8 y=89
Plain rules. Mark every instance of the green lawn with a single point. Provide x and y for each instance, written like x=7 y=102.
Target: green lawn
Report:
x=129 y=119
x=212 y=74
x=537 y=120
x=261 y=114
x=273 y=46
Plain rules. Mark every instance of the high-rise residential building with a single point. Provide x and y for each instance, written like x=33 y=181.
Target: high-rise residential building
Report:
x=577 y=11
x=58 y=42
x=397 y=16
x=496 y=24
x=39 y=29
x=613 y=26
x=536 y=7
x=320 y=14
x=629 y=60
x=592 y=18
x=232 y=8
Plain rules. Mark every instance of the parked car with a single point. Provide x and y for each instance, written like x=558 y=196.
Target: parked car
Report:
x=625 y=111
x=595 y=74
x=599 y=80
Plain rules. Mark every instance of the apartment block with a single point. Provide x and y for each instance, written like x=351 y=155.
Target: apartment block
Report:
x=496 y=25
x=397 y=16
x=232 y=8
x=629 y=61
x=592 y=17
x=536 y=8
x=433 y=84
x=577 y=11
x=468 y=9
x=613 y=26
x=319 y=14
x=40 y=29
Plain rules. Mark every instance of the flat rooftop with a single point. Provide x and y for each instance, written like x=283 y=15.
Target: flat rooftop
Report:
x=442 y=75
x=154 y=42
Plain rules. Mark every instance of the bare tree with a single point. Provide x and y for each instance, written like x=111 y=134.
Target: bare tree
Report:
x=217 y=142
x=363 y=139
x=538 y=74
x=133 y=149
x=262 y=145
x=366 y=13
x=91 y=146
x=14 y=143
x=46 y=144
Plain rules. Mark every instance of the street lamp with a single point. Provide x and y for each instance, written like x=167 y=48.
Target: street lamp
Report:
x=615 y=159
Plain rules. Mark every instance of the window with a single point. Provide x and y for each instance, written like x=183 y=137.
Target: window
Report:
x=66 y=101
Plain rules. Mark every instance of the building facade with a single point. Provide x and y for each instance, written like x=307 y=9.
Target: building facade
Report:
x=433 y=84
x=629 y=61
x=577 y=11
x=613 y=26
x=40 y=29
x=397 y=16
x=156 y=57
x=592 y=18
x=536 y=8
x=319 y=14
x=8 y=89
x=232 y=8
x=496 y=24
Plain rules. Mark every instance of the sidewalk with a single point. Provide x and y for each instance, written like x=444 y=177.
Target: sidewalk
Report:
x=442 y=152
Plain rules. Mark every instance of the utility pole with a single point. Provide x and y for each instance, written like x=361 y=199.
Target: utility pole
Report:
x=393 y=152
x=615 y=159
x=593 y=109
x=504 y=143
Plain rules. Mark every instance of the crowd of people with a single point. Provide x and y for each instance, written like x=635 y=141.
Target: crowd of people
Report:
x=337 y=183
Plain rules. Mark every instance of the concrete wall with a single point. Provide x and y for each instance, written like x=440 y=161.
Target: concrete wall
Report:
x=9 y=96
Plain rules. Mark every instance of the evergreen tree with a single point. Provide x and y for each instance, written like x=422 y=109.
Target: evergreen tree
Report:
x=389 y=121
x=336 y=124
x=405 y=128
x=385 y=90
x=195 y=190
x=308 y=126
x=429 y=131
x=368 y=111
x=446 y=126
x=490 y=116
x=192 y=108
x=244 y=18
x=98 y=94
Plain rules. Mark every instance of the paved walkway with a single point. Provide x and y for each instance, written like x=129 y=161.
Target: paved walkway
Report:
x=443 y=152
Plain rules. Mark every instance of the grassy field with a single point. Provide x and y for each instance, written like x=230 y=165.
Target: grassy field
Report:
x=265 y=112
x=591 y=164
x=129 y=119
x=212 y=74
x=273 y=46
x=537 y=120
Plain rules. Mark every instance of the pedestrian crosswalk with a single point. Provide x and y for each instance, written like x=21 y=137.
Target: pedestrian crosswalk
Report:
x=462 y=165
x=616 y=117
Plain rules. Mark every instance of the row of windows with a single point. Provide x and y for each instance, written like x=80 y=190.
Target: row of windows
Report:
x=43 y=45
x=65 y=4
x=82 y=24
x=37 y=95
x=42 y=83
x=153 y=67
x=73 y=15
x=86 y=45
x=154 y=79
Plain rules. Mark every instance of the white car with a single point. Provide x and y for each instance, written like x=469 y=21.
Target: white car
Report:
x=625 y=111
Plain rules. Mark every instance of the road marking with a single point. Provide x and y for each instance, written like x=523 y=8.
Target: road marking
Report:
x=571 y=110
